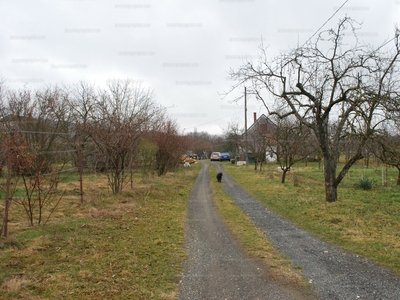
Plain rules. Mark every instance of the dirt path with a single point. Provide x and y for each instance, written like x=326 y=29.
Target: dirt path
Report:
x=217 y=268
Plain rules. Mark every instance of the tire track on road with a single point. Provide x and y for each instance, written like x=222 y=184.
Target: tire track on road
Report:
x=217 y=268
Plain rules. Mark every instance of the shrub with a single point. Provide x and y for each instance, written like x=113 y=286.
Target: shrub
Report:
x=365 y=184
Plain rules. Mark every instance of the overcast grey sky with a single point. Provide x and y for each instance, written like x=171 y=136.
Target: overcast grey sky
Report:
x=183 y=49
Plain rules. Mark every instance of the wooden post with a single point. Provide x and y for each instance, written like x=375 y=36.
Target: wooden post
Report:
x=80 y=162
x=8 y=192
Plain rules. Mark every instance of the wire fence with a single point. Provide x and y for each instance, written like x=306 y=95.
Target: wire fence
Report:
x=13 y=153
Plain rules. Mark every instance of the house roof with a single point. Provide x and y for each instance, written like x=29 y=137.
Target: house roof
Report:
x=263 y=123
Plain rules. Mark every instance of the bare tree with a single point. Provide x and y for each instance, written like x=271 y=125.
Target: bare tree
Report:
x=234 y=138
x=171 y=146
x=81 y=101
x=32 y=141
x=38 y=191
x=258 y=142
x=388 y=151
x=334 y=86
x=9 y=150
x=385 y=144
x=122 y=113
x=292 y=142
x=41 y=117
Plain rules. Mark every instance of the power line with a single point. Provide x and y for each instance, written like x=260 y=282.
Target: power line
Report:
x=344 y=3
x=325 y=22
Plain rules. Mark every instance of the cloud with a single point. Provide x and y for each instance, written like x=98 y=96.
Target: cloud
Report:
x=181 y=49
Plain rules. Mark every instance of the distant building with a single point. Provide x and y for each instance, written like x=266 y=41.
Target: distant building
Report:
x=261 y=143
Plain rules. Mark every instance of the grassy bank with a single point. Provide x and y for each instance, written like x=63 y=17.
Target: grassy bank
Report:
x=252 y=239
x=366 y=222
x=113 y=247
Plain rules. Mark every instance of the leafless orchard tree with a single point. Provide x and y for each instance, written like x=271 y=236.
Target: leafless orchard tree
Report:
x=234 y=138
x=9 y=186
x=171 y=146
x=81 y=100
x=122 y=113
x=291 y=143
x=387 y=148
x=332 y=81
x=258 y=142
x=41 y=117
x=385 y=144
x=33 y=123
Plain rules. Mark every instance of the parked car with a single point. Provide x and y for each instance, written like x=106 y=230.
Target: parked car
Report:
x=215 y=156
x=225 y=156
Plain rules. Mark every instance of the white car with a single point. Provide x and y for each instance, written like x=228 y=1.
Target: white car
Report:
x=215 y=156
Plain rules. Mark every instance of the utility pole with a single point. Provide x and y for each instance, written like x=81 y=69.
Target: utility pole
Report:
x=245 y=126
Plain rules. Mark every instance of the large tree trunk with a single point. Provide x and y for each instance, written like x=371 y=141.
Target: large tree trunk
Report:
x=284 y=176
x=398 y=176
x=330 y=164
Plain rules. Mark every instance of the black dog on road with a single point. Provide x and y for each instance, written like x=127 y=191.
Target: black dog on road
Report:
x=219 y=177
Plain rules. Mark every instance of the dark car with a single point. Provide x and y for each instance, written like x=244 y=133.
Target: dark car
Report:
x=225 y=156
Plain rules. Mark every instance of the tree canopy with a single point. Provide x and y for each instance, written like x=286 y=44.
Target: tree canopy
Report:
x=334 y=85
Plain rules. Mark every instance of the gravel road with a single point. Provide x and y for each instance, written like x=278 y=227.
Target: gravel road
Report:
x=217 y=268
x=334 y=273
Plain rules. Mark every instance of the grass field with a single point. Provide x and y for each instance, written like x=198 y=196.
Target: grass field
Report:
x=129 y=246
x=366 y=222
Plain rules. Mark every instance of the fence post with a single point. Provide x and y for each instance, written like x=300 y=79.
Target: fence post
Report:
x=8 y=193
x=80 y=161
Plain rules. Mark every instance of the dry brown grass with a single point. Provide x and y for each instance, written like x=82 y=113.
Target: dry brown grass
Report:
x=15 y=284
x=128 y=246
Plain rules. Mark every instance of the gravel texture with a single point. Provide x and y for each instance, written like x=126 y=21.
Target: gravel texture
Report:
x=217 y=268
x=334 y=273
